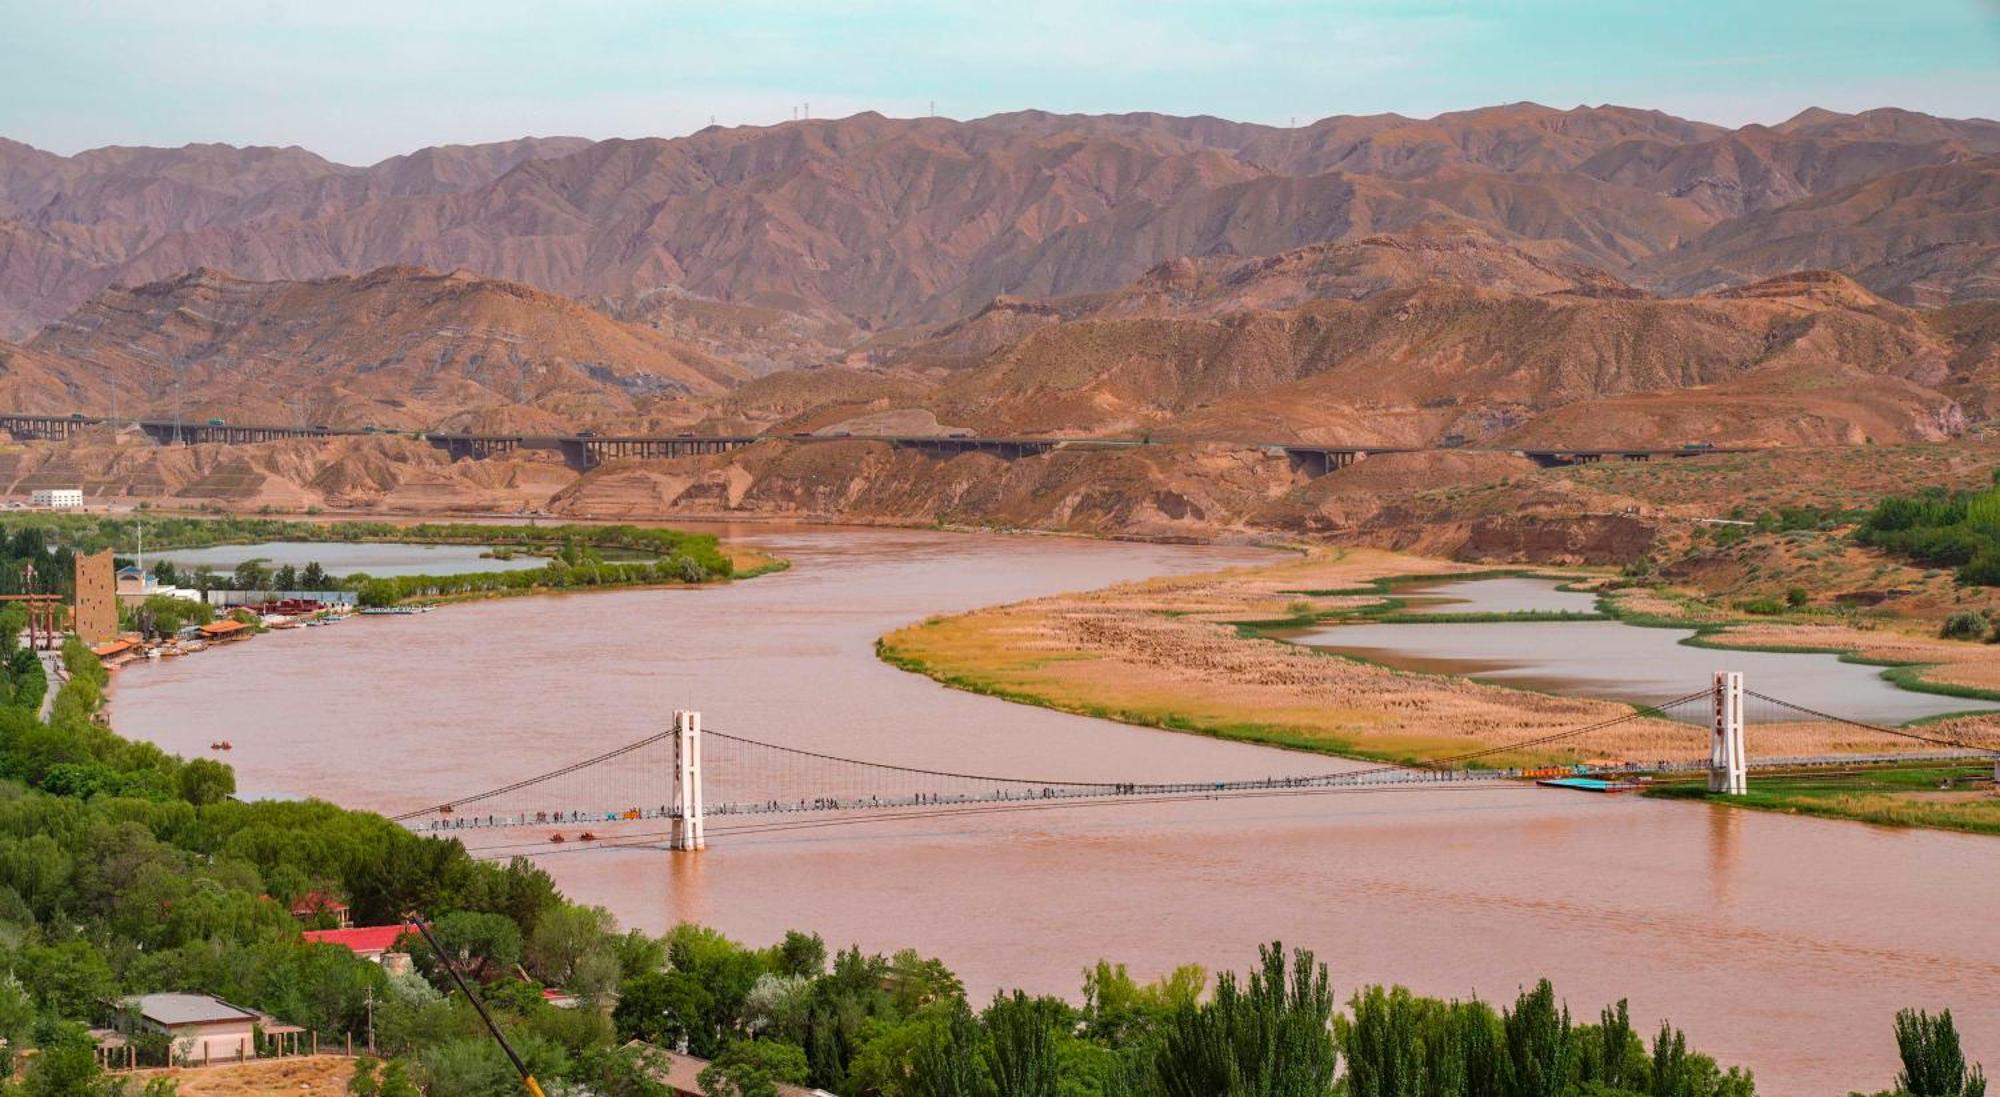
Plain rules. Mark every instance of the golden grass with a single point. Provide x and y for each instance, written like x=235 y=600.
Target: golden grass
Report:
x=1164 y=653
x=326 y=1074
x=1950 y=662
x=1981 y=814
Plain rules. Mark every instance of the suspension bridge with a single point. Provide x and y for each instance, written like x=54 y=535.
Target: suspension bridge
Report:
x=680 y=778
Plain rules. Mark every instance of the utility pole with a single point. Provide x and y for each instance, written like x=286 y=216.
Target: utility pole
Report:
x=371 y=1020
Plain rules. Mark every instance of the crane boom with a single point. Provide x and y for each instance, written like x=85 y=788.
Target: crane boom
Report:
x=424 y=928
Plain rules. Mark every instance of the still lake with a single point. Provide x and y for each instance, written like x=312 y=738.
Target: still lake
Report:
x=1607 y=659
x=347 y=558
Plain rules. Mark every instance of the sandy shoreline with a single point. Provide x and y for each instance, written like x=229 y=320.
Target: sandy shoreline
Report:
x=1171 y=653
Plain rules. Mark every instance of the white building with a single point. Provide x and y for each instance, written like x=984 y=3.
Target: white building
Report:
x=56 y=498
x=203 y=1029
x=135 y=585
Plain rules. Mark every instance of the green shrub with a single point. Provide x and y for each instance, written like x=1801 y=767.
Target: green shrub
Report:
x=1963 y=625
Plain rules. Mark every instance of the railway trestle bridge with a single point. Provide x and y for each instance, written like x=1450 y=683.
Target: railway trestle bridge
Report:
x=588 y=450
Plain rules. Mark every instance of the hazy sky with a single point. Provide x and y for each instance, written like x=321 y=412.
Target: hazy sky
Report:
x=358 y=80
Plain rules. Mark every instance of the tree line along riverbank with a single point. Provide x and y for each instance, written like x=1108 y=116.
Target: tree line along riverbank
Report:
x=579 y=555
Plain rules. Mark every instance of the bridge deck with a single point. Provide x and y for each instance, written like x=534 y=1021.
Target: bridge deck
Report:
x=1629 y=775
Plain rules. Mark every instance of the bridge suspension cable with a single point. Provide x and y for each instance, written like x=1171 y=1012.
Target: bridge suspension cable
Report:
x=748 y=776
x=1902 y=733
x=656 y=839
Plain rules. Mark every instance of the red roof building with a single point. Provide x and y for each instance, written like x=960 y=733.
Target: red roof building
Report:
x=376 y=943
x=314 y=904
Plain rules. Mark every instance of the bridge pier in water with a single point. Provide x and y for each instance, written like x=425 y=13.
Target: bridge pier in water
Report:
x=690 y=825
x=1728 y=769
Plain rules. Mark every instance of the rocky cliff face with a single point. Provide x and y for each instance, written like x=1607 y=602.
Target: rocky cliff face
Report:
x=884 y=221
x=1408 y=341
x=398 y=347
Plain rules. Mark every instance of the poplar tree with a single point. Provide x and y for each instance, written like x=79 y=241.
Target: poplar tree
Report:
x=1271 y=1039
x=1537 y=1063
x=1933 y=1063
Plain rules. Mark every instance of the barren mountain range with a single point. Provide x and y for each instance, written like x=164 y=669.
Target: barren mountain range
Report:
x=1504 y=277
x=885 y=222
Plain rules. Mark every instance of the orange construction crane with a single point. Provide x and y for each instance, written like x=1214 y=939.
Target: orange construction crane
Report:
x=424 y=927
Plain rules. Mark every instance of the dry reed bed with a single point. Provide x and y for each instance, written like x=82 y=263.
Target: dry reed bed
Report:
x=1954 y=662
x=1164 y=652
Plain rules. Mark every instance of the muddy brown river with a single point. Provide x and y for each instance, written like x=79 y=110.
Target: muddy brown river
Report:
x=1781 y=943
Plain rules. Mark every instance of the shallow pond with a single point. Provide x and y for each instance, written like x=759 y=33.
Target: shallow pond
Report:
x=1508 y=594
x=1608 y=659
x=346 y=558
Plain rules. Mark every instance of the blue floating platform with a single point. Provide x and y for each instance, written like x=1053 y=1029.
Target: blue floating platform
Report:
x=1590 y=784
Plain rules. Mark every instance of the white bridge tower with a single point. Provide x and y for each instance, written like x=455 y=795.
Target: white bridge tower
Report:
x=690 y=828
x=1727 y=767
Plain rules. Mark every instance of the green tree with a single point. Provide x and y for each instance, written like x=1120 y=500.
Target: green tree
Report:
x=1118 y=1012
x=375 y=593
x=622 y=1072
x=1618 y=1059
x=1022 y=1035
x=206 y=781
x=251 y=575
x=66 y=1067
x=915 y=981
x=668 y=1008
x=1933 y=1063
x=572 y=947
x=946 y=1061
x=313 y=577
x=801 y=954
x=1678 y=1072
x=1384 y=1044
x=843 y=1002
x=481 y=946
x=1538 y=1045
x=1271 y=1039
x=753 y=1068
x=474 y=1066
x=375 y=1078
